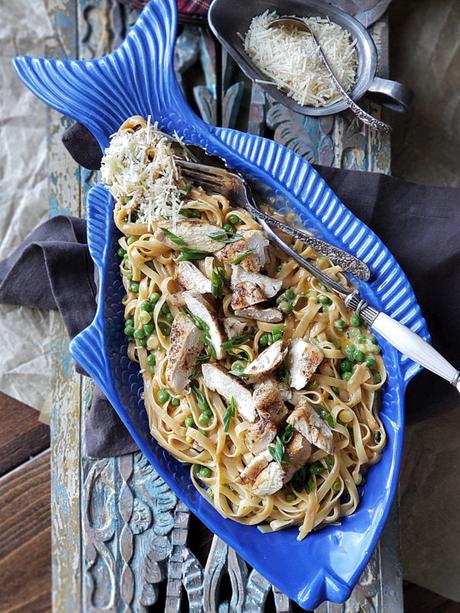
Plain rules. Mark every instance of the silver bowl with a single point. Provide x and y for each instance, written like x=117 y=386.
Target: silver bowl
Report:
x=228 y=20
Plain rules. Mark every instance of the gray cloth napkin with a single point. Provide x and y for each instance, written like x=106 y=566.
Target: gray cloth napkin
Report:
x=420 y=225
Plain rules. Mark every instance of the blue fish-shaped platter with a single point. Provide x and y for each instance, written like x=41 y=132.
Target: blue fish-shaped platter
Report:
x=138 y=79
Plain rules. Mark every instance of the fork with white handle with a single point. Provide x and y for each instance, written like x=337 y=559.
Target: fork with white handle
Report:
x=235 y=188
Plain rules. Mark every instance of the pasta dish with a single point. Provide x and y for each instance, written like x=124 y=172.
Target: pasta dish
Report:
x=254 y=373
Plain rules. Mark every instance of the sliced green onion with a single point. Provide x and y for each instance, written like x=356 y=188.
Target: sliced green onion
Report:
x=177 y=240
x=239 y=258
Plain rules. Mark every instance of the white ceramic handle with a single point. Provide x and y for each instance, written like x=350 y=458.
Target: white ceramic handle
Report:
x=415 y=348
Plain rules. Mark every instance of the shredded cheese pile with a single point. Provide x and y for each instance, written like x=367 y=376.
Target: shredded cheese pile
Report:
x=139 y=167
x=290 y=58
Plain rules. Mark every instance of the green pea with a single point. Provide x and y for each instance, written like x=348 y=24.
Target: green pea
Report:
x=154 y=297
x=371 y=363
x=203 y=419
x=129 y=322
x=125 y=260
x=340 y=324
x=264 y=340
x=175 y=402
x=325 y=308
x=151 y=368
x=139 y=333
x=134 y=287
x=238 y=367
x=164 y=308
x=163 y=396
x=233 y=219
x=290 y=294
x=189 y=422
x=345 y=365
x=361 y=339
x=129 y=330
x=147 y=306
x=131 y=240
x=359 y=356
x=148 y=329
x=121 y=252
x=373 y=348
x=372 y=338
x=279 y=268
x=350 y=351
x=346 y=376
x=151 y=359
x=335 y=390
x=203 y=471
x=356 y=320
x=290 y=497
x=336 y=486
x=142 y=342
x=312 y=385
x=195 y=213
x=169 y=317
x=228 y=227
x=286 y=307
x=377 y=377
x=324 y=299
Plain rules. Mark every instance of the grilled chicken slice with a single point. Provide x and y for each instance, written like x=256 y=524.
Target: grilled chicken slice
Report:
x=185 y=345
x=194 y=232
x=254 y=468
x=246 y=294
x=252 y=240
x=201 y=308
x=270 y=480
x=269 y=286
x=298 y=450
x=271 y=316
x=227 y=386
x=303 y=359
x=259 y=436
x=267 y=361
x=268 y=401
x=234 y=327
x=191 y=277
x=305 y=420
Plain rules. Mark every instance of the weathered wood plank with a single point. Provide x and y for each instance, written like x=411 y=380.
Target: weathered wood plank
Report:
x=21 y=435
x=25 y=544
x=64 y=197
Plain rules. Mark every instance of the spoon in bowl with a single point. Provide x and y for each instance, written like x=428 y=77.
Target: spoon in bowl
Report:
x=297 y=22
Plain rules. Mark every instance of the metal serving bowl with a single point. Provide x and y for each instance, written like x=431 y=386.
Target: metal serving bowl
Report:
x=228 y=20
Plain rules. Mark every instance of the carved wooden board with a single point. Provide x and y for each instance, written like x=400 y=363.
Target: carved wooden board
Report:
x=119 y=534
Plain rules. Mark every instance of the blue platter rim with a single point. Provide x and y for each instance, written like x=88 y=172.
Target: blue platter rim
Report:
x=138 y=78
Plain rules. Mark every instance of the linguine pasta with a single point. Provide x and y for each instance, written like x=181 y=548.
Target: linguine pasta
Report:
x=329 y=412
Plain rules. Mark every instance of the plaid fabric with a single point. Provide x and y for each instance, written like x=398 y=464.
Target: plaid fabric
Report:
x=189 y=10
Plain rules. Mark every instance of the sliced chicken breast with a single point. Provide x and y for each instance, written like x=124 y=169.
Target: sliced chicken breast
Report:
x=253 y=240
x=298 y=452
x=254 y=468
x=303 y=360
x=259 y=436
x=269 y=286
x=246 y=294
x=228 y=387
x=271 y=316
x=270 y=480
x=305 y=420
x=234 y=326
x=200 y=307
x=186 y=344
x=268 y=401
x=267 y=361
x=191 y=277
x=194 y=232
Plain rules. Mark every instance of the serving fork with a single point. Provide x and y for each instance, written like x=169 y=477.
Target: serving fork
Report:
x=234 y=187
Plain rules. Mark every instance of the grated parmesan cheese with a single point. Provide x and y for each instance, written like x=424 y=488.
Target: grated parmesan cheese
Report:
x=139 y=166
x=290 y=58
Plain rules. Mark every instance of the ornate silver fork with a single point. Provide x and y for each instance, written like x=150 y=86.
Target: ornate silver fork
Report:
x=236 y=190
x=401 y=337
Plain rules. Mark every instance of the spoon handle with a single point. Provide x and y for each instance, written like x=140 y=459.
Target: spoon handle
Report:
x=365 y=117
